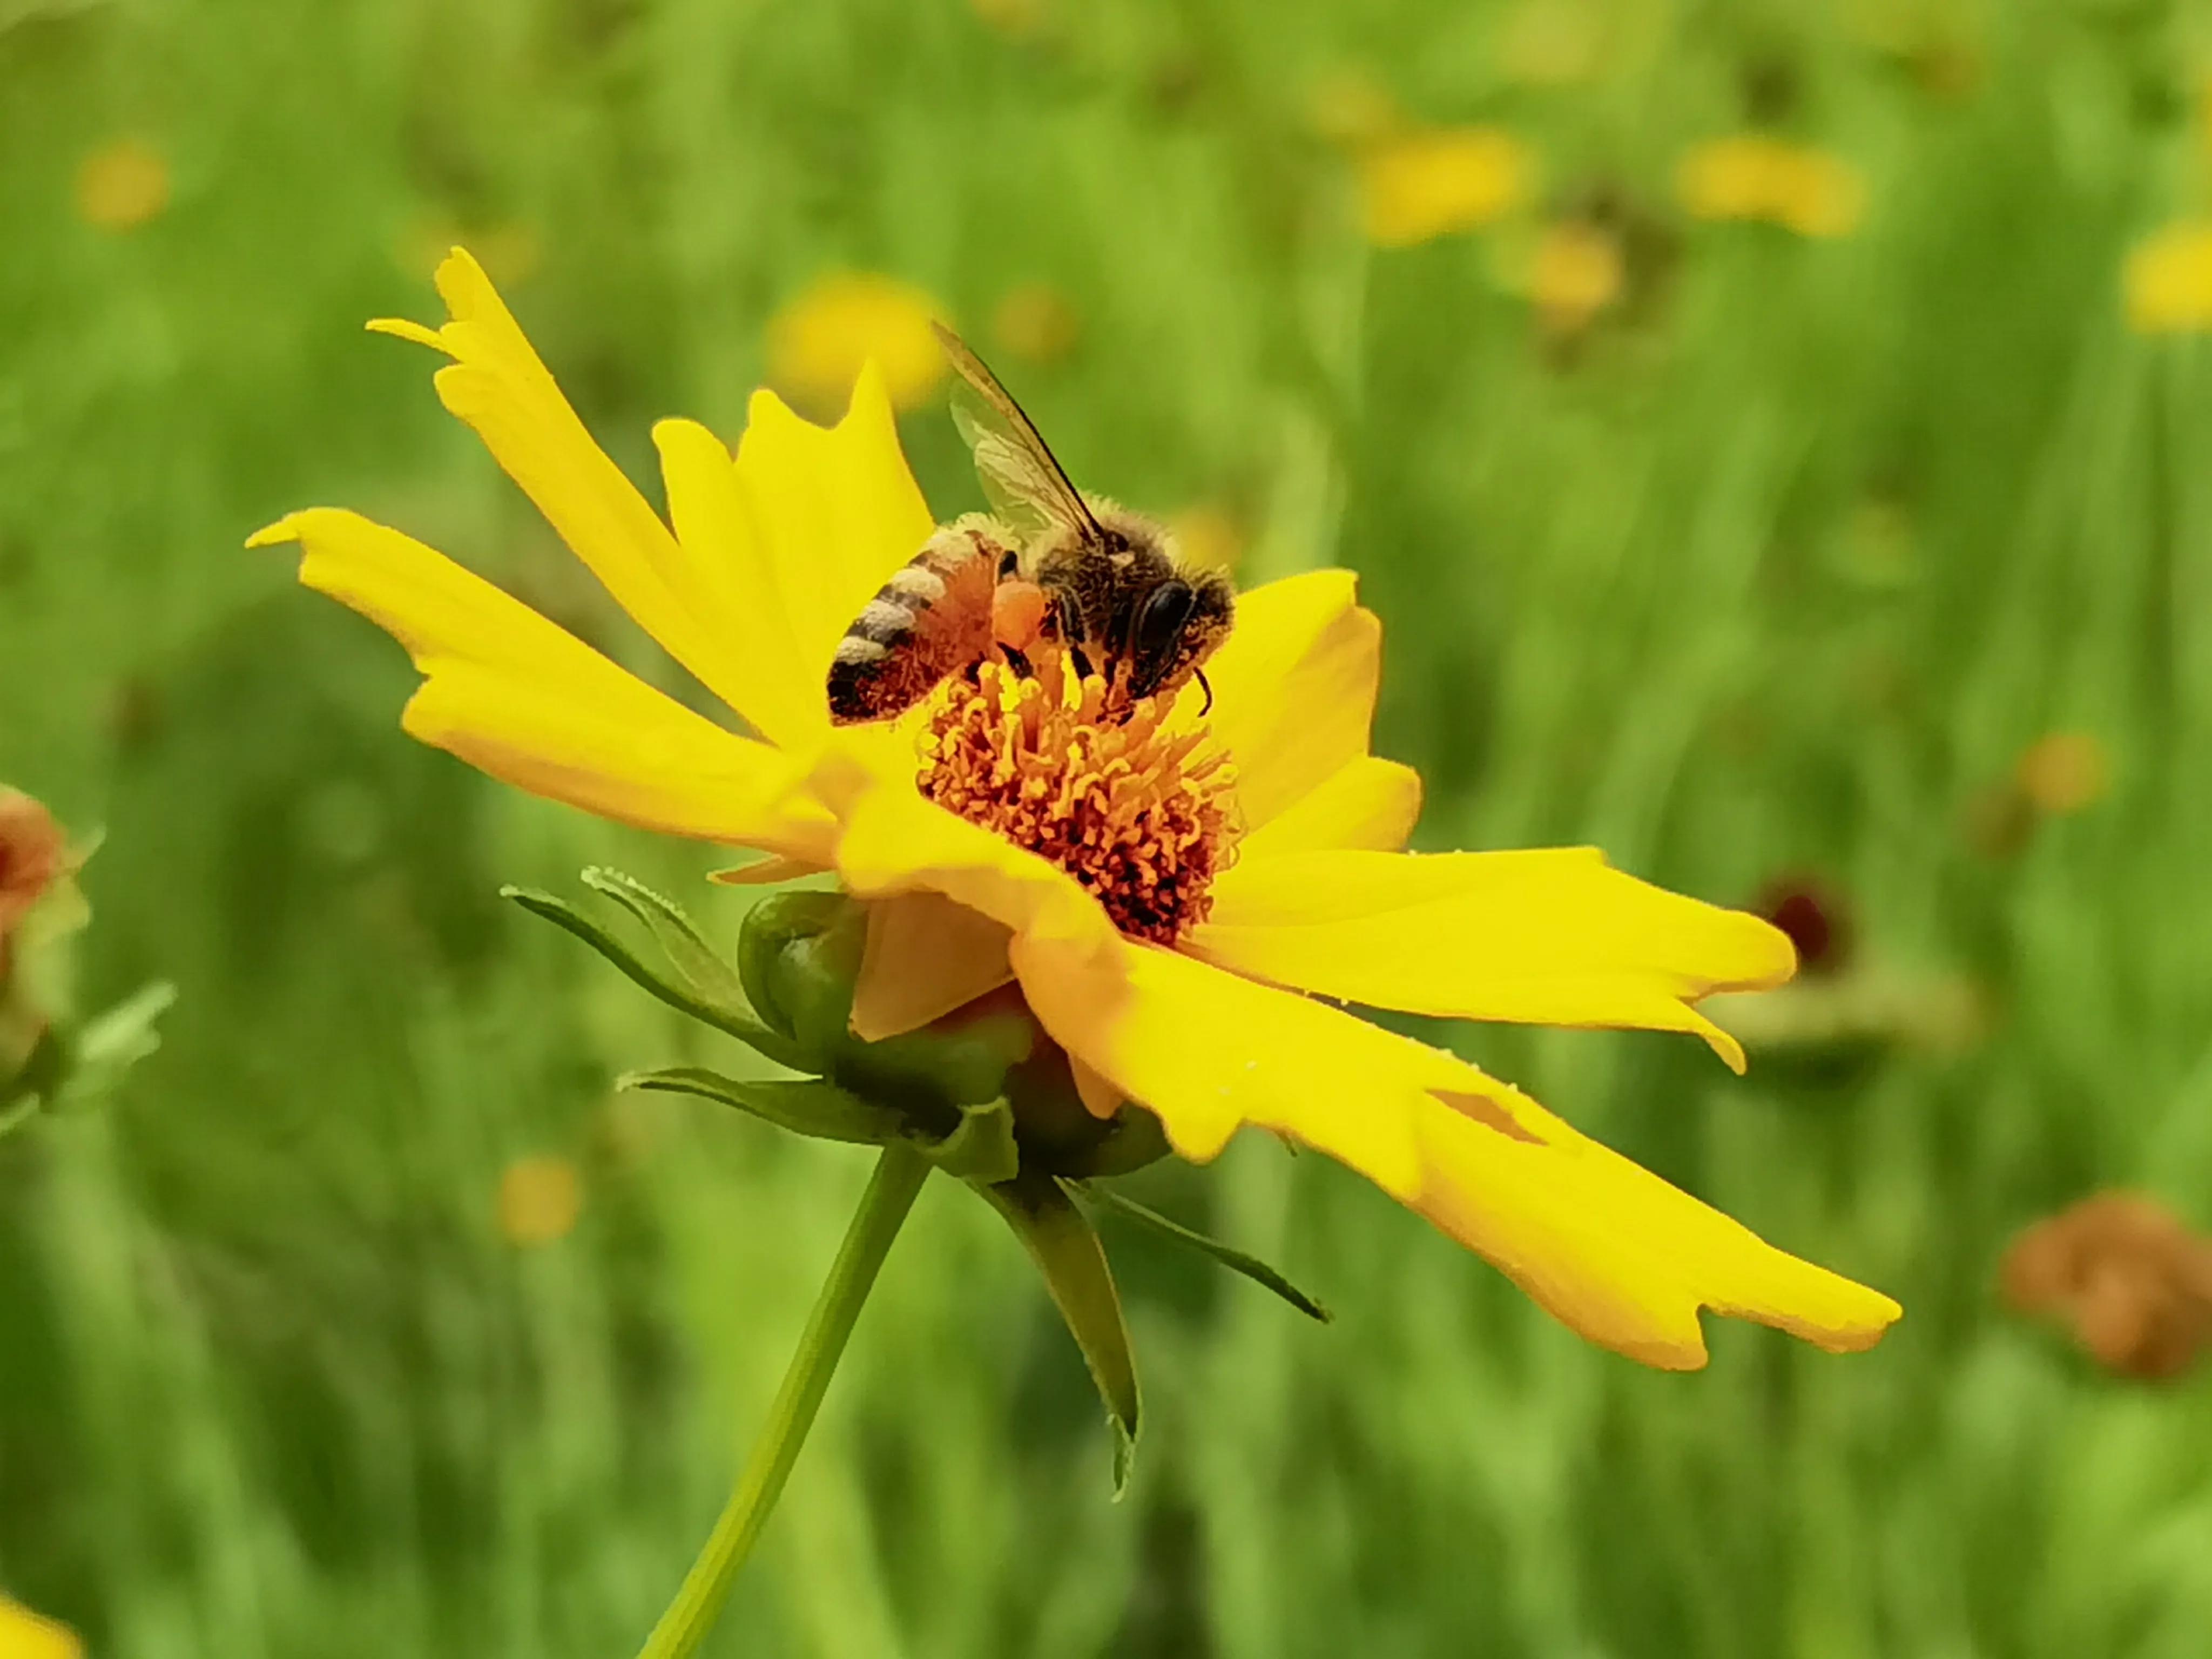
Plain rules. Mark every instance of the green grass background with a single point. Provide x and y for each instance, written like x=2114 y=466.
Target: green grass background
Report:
x=1779 y=571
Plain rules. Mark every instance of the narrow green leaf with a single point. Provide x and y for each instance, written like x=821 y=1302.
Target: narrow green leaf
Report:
x=981 y=1148
x=740 y=1025
x=1230 y=1257
x=713 y=979
x=1061 y=1240
x=804 y=1106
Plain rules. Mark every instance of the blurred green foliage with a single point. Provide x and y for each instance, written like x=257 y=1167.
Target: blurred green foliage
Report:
x=1778 y=565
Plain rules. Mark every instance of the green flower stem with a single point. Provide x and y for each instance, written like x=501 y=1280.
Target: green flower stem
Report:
x=899 y=1175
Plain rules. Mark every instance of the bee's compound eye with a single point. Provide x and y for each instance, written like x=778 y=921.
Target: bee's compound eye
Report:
x=1160 y=622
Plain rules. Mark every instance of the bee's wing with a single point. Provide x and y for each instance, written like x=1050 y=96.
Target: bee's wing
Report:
x=1028 y=491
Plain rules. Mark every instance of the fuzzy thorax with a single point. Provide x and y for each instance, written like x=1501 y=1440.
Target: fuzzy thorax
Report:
x=1141 y=814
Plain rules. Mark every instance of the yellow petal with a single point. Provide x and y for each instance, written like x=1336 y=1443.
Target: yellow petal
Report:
x=1617 y=1254
x=925 y=957
x=834 y=510
x=1365 y=803
x=508 y=691
x=1209 y=1052
x=1294 y=688
x=741 y=583
x=498 y=386
x=1607 y=1247
x=27 y=1635
x=894 y=842
x=1552 y=938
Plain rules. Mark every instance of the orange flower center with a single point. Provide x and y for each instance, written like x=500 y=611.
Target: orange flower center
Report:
x=1141 y=814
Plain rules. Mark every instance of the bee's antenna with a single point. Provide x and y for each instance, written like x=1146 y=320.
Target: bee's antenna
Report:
x=1208 y=687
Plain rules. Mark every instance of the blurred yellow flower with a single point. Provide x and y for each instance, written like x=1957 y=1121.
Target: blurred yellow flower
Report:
x=1552 y=42
x=1186 y=936
x=1209 y=534
x=1424 y=184
x=121 y=184
x=2168 y=282
x=539 y=1198
x=1575 y=270
x=818 y=342
x=2064 y=772
x=25 y=1635
x=1035 y=322
x=1752 y=176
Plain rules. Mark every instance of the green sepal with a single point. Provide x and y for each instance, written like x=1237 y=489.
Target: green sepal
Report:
x=804 y=1106
x=1227 y=1256
x=1061 y=1240
x=710 y=978
x=734 y=1019
x=981 y=1148
x=799 y=956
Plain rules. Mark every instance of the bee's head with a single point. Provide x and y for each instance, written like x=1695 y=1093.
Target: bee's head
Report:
x=1175 y=628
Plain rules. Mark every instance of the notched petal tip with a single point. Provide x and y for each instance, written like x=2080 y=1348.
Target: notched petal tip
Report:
x=405 y=328
x=286 y=529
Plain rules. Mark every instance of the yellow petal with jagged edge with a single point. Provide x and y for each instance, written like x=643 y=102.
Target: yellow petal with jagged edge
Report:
x=1554 y=936
x=510 y=692
x=497 y=383
x=1607 y=1247
x=835 y=512
x=1294 y=688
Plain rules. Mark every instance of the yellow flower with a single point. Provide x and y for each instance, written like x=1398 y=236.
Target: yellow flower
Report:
x=25 y=1635
x=2169 y=281
x=1575 y=270
x=122 y=184
x=1751 y=176
x=818 y=342
x=1190 y=946
x=539 y=1198
x=1420 y=185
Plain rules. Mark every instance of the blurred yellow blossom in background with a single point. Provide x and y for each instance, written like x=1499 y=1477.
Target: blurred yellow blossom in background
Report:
x=2064 y=772
x=818 y=341
x=539 y=1198
x=1208 y=535
x=2168 y=282
x=1752 y=176
x=122 y=184
x=1551 y=43
x=1035 y=322
x=1432 y=183
x=510 y=251
x=25 y=1635
x=1575 y=270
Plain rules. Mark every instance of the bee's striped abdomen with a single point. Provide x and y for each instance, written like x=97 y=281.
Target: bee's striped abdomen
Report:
x=930 y=619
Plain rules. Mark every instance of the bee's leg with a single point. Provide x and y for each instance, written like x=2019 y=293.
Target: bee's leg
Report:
x=1018 y=663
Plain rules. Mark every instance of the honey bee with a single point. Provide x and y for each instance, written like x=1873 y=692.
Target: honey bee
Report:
x=1049 y=563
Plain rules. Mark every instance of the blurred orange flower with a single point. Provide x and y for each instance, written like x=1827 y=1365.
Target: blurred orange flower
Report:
x=1419 y=186
x=2064 y=772
x=34 y=854
x=1753 y=176
x=2134 y=1284
x=818 y=343
x=121 y=184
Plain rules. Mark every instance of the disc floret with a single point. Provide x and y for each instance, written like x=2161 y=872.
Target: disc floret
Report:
x=1139 y=810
